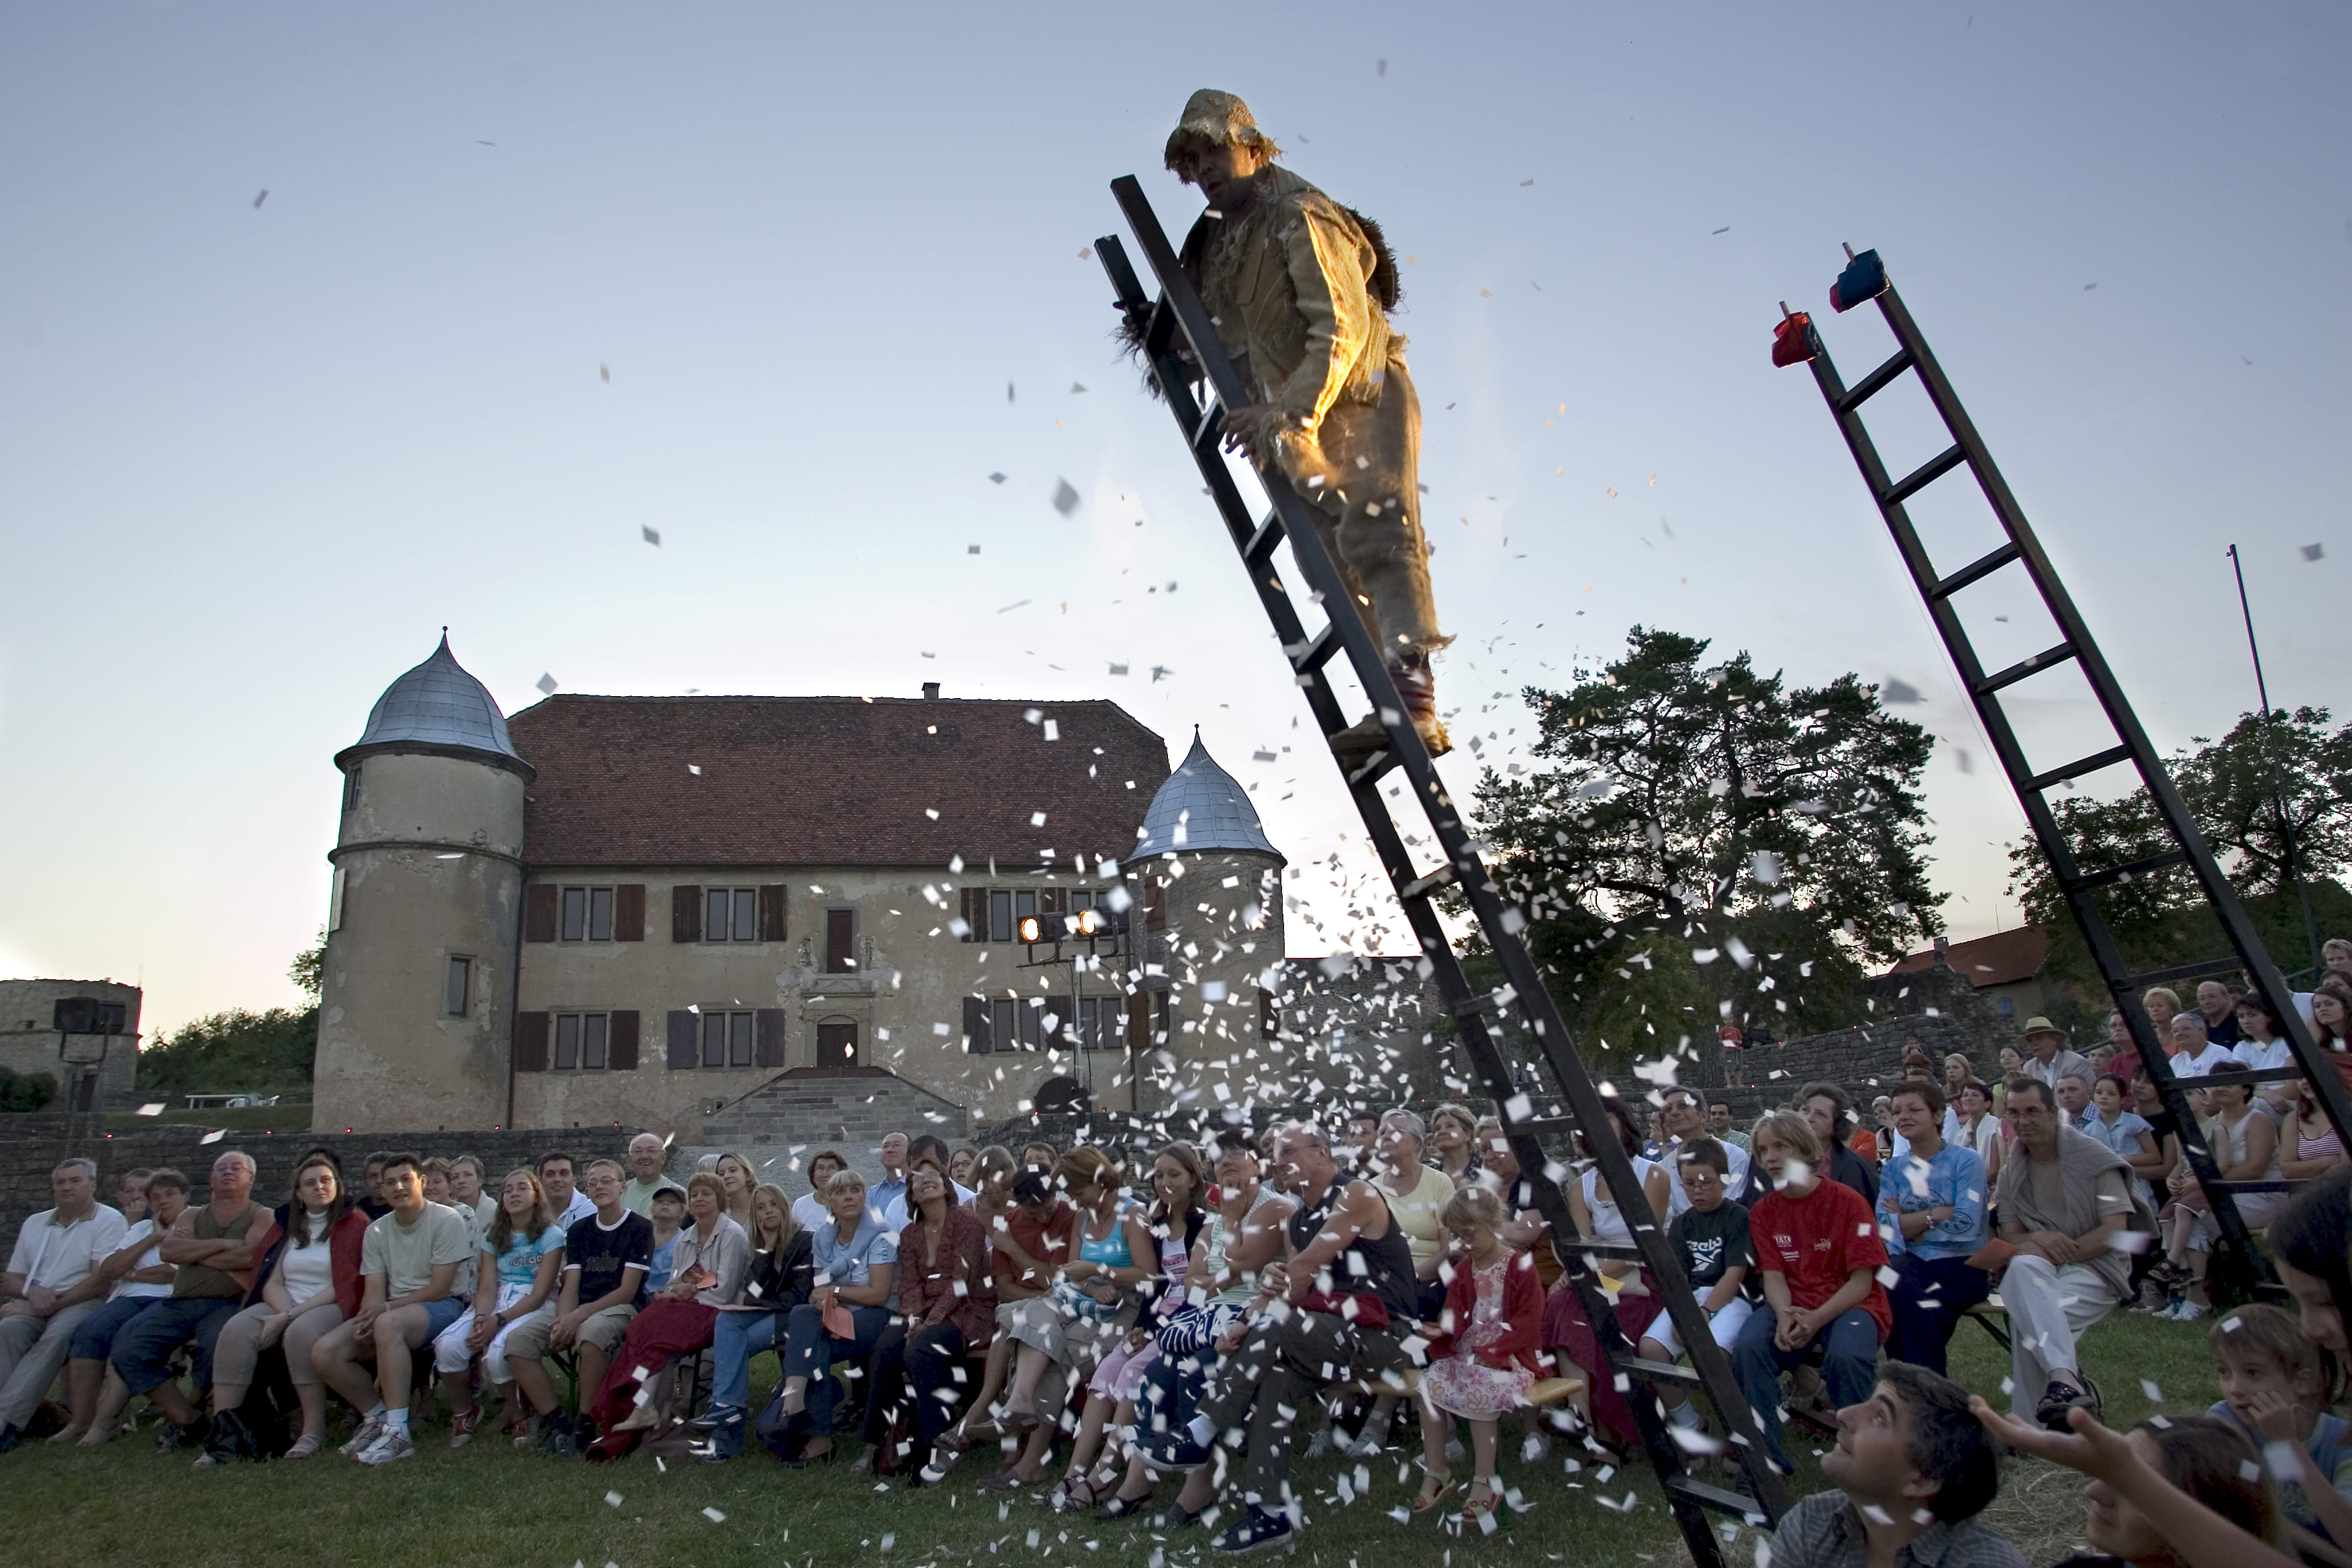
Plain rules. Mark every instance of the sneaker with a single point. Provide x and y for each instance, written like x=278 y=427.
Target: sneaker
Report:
x=1174 y=1517
x=195 y=1435
x=370 y=1432
x=2057 y=1400
x=558 y=1440
x=462 y=1426
x=1366 y=1446
x=1256 y=1531
x=717 y=1415
x=395 y=1444
x=1320 y=1444
x=2188 y=1311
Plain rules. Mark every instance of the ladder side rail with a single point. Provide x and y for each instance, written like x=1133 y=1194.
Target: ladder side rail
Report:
x=1316 y=565
x=2327 y=1080
x=2080 y=899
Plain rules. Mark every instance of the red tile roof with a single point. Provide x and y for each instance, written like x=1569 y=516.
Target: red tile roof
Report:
x=829 y=781
x=1995 y=959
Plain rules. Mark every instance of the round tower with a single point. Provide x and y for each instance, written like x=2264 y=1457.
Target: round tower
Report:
x=424 y=923
x=1207 y=882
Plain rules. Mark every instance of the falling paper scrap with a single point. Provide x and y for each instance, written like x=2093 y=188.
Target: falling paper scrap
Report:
x=215 y=1136
x=261 y=198
x=2314 y=551
x=1078 y=386
x=1066 y=499
x=972 y=550
x=1724 y=230
x=1118 y=669
x=1893 y=690
x=1263 y=757
x=1008 y=392
x=604 y=374
x=155 y=1109
x=652 y=535
x=546 y=684
x=1158 y=670
x=996 y=478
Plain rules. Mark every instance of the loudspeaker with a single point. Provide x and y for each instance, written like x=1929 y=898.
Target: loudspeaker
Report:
x=89 y=1016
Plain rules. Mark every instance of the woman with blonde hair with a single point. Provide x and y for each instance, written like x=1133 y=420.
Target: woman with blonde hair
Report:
x=781 y=1277
x=521 y=1269
x=857 y=1273
x=712 y=1260
x=1454 y=1143
x=737 y=1177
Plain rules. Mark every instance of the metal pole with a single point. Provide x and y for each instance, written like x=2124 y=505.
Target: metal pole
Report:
x=2270 y=741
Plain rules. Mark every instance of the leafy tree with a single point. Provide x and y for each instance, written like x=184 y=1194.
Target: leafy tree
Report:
x=266 y=1052
x=309 y=968
x=27 y=1091
x=2259 y=788
x=1684 y=810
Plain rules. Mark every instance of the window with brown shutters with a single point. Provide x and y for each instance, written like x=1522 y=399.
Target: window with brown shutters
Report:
x=686 y=915
x=623 y=1046
x=539 y=913
x=530 y=1042
x=768 y=1025
x=974 y=915
x=629 y=912
x=772 y=913
x=977 y=1035
x=587 y=914
x=682 y=1045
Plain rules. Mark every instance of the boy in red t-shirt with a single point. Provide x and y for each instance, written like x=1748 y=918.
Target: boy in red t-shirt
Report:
x=1818 y=1254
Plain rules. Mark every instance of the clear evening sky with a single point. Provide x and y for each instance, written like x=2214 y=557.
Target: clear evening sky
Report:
x=253 y=457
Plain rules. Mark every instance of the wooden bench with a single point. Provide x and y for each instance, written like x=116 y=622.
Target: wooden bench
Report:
x=1993 y=1316
x=1548 y=1390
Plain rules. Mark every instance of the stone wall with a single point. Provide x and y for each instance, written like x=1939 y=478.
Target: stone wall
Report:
x=30 y=1147
x=28 y=1045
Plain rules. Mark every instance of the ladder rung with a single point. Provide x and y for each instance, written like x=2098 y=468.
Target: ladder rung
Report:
x=1716 y=1498
x=2275 y=1187
x=2182 y=972
x=1204 y=434
x=1617 y=1251
x=2080 y=766
x=1263 y=540
x=1982 y=566
x=1540 y=1126
x=2033 y=664
x=1372 y=772
x=1871 y=385
x=1658 y=1371
x=2125 y=873
x=1318 y=650
x=1925 y=474
x=1422 y=887
x=2268 y=1075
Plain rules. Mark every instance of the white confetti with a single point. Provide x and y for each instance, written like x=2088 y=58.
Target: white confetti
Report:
x=2155 y=1394
x=611 y=1500
x=652 y=535
x=714 y=1516
x=546 y=684
x=155 y=1109
x=1065 y=497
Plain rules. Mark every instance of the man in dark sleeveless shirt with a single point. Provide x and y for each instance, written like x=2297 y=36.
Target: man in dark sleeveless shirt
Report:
x=1345 y=1258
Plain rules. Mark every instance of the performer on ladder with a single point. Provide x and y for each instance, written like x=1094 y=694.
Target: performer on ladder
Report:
x=1300 y=288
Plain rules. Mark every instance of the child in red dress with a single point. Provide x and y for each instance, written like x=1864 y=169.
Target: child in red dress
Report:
x=1482 y=1353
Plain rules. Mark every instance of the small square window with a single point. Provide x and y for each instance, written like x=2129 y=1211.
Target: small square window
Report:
x=576 y=914
x=600 y=914
x=458 y=997
x=2007 y=1005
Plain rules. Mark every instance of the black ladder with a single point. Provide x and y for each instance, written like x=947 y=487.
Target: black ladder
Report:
x=1177 y=323
x=1864 y=277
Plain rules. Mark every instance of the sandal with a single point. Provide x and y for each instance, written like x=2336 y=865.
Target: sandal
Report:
x=1483 y=1514
x=1071 y=1493
x=1424 y=1501
x=1122 y=1507
x=1005 y=1480
x=304 y=1448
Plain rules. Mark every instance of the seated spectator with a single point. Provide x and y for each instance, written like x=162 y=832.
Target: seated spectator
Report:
x=211 y=1248
x=54 y=1281
x=1883 y=1143
x=2194 y=1056
x=1174 y=1221
x=605 y=1260
x=2276 y=1388
x=2245 y=1146
x=946 y=1311
x=1567 y=1333
x=2262 y=1047
x=2124 y=1131
x=1347 y=1282
x=2123 y=1057
x=131 y=1193
x=737 y=1176
x=668 y=1216
x=2073 y=1091
x=516 y=1279
x=840 y=1323
x=1974 y=1120
x=416 y=1268
x=2217 y=1005
x=1710 y=1239
x=1817 y=1255
x=1416 y=1195
x=139 y=1276
x=713 y=1257
x=1062 y=1335
x=1482 y=1351
x=2331 y=1021
x=923 y=1149
x=1243 y=1233
x=371 y=1203
x=1913 y=1468
x=2311 y=1247
x=465 y=1191
x=646 y=1156
x=809 y=1210
x=1827 y=1110
x=1719 y=1127
x=2064 y=1199
x=1038 y=1233
x=1958 y=1073
x=782 y=1274
x=1041 y=1157
x=1931 y=1214
x=311 y=1266
x=2178 y=1491
x=2048 y=1055
x=893 y=1185
x=1453 y=1144
x=1679 y=1122
x=2309 y=1144
x=963 y=1167
x=1363 y=1145
x=564 y=1200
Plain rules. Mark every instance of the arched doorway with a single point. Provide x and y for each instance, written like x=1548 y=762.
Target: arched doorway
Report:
x=836 y=1042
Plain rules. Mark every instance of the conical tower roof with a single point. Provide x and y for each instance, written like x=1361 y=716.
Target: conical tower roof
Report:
x=1200 y=806
x=438 y=706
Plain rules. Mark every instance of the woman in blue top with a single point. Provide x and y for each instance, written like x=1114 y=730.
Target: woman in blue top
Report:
x=523 y=1258
x=1931 y=1214
x=856 y=1270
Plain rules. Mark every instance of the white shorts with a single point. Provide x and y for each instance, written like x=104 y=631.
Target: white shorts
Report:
x=452 y=1354
x=1724 y=1326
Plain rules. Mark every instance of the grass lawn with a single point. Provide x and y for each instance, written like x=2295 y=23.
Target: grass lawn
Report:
x=286 y=1120
x=131 y=1505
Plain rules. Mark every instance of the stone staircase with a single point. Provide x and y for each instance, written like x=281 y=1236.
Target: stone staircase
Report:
x=848 y=1109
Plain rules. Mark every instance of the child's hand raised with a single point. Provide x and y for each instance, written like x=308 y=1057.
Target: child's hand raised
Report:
x=2275 y=1415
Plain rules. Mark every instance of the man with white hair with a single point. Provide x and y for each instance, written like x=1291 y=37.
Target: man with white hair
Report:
x=52 y=1283
x=209 y=1245
x=646 y=1155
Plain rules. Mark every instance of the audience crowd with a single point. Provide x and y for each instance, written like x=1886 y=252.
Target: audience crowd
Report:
x=1198 y=1318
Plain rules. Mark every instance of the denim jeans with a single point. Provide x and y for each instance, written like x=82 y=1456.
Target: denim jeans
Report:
x=1929 y=1296
x=810 y=1352
x=739 y=1337
x=1849 y=1366
x=144 y=1347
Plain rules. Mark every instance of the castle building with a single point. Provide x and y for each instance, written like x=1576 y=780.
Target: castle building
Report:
x=660 y=909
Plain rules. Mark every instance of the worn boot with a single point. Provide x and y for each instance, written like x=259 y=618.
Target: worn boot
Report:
x=1417 y=685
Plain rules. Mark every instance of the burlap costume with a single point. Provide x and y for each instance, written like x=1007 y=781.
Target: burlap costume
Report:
x=1287 y=281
